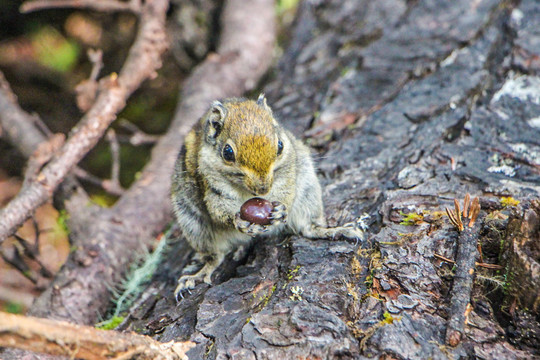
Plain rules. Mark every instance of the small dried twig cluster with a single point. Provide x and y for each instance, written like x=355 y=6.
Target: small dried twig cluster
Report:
x=470 y=211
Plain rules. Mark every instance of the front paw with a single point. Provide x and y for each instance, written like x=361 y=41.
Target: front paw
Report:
x=351 y=231
x=278 y=215
x=249 y=228
x=187 y=282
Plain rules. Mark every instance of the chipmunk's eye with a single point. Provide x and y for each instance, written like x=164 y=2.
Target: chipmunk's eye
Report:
x=279 y=147
x=228 y=153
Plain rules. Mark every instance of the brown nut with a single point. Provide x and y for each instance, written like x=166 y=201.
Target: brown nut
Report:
x=257 y=211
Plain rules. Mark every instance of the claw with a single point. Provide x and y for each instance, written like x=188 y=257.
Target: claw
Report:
x=277 y=216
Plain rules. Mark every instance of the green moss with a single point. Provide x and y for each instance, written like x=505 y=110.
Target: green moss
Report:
x=389 y=319
x=110 y=324
x=102 y=200
x=263 y=300
x=13 y=308
x=286 y=5
x=411 y=218
x=509 y=201
x=369 y=281
x=61 y=222
x=293 y=272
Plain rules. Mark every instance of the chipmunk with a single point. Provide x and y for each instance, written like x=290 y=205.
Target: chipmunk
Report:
x=235 y=152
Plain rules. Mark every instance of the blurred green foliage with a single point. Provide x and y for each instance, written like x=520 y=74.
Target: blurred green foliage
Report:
x=54 y=50
x=13 y=308
x=286 y=5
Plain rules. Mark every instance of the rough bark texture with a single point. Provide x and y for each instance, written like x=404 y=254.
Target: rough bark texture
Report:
x=434 y=99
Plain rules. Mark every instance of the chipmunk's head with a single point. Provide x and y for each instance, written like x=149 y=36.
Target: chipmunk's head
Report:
x=248 y=140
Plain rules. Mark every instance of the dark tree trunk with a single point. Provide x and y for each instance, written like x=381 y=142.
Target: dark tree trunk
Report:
x=411 y=104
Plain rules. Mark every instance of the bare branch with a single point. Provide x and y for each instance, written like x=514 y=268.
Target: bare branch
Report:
x=87 y=89
x=85 y=342
x=17 y=126
x=101 y=5
x=33 y=253
x=480 y=264
x=18 y=263
x=25 y=132
x=115 y=155
x=41 y=156
x=96 y=58
x=142 y=62
x=107 y=185
x=137 y=137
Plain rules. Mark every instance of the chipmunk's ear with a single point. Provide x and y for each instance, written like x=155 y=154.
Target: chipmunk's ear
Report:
x=261 y=101
x=214 y=121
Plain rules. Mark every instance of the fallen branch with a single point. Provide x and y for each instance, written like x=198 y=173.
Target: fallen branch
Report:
x=85 y=342
x=101 y=5
x=466 y=258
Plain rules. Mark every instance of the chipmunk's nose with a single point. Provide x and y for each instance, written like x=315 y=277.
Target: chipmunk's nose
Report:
x=259 y=184
x=262 y=189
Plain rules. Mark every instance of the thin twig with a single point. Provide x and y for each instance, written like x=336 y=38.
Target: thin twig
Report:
x=440 y=257
x=18 y=263
x=115 y=155
x=490 y=266
x=96 y=58
x=33 y=254
x=137 y=137
x=87 y=89
x=107 y=185
x=101 y=5
x=480 y=264
x=41 y=156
